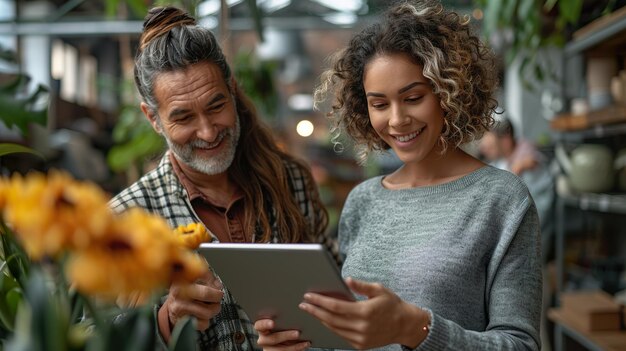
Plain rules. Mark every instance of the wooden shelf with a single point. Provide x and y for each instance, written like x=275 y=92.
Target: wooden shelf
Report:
x=600 y=123
x=604 y=340
x=602 y=34
x=608 y=203
x=596 y=132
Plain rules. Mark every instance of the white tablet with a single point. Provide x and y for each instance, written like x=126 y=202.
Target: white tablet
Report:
x=269 y=281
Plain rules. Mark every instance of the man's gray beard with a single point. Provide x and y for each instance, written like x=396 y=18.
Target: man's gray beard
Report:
x=213 y=165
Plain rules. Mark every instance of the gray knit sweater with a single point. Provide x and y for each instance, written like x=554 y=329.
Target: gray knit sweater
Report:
x=467 y=251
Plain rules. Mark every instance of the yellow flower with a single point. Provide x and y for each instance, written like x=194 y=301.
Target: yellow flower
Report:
x=192 y=235
x=50 y=214
x=187 y=267
x=4 y=189
x=137 y=255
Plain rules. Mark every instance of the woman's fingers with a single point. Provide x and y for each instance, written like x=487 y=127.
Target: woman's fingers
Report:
x=338 y=306
x=364 y=288
x=327 y=317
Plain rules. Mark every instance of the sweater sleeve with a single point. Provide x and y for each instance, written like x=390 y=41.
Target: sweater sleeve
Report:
x=513 y=295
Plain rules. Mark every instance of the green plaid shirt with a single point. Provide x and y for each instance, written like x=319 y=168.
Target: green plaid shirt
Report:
x=160 y=192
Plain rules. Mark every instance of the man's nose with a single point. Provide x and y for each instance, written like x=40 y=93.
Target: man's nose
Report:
x=207 y=130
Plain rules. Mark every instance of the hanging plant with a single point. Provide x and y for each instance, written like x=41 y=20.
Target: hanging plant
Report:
x=532 y=25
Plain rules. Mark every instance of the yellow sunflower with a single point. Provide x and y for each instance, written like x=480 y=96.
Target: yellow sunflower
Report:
x=53 y=213
x=191 y=235
x=136 y=256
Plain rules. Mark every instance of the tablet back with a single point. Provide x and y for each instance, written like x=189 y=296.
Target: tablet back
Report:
x=269 y=280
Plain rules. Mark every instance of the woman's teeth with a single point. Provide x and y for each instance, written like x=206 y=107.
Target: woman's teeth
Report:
x=407 y=137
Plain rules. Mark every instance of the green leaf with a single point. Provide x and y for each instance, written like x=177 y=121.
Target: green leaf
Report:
x=257 y=18
x=184 y=335
x=138 y=7
x=21 y=112
x=526 y=10
x=121 y=157
x=13 y=87
x=570 y=10
x=6 y=149
x=111 y=7
x=549 y=4
x=492 y=14
x=17 y=262
x=539 y=74
x=41 y=323
x=13 y=299
x=10 y=297
x=141 y=335
x=8 y=55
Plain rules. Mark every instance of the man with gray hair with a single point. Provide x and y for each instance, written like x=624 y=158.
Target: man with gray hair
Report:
x=223 y=169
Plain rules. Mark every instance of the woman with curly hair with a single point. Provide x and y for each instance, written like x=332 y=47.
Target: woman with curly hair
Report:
x=444 y=252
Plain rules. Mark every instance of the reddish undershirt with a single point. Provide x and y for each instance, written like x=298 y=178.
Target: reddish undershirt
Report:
x=226 y=223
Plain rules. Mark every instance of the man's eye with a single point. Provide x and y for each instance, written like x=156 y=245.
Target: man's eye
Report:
x=217 y=107
x=183 y=118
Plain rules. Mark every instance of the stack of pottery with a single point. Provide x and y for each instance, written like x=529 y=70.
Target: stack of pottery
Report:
x=600 y=71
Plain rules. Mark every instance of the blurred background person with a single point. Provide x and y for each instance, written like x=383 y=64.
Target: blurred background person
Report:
x=503 y=150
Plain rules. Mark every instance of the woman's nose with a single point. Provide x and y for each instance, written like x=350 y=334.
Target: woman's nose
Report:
x=398 y=117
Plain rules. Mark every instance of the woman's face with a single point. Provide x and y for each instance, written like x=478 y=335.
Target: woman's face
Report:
x=403 y=109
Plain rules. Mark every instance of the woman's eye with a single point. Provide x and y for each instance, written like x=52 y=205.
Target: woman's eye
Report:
x=378 y=105
x=413 y=98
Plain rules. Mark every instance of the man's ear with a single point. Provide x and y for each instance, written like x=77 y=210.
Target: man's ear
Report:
x=151 y=116
x=233 y=85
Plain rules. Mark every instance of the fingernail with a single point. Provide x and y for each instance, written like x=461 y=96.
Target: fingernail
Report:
x=307 y=296
x=302 y=306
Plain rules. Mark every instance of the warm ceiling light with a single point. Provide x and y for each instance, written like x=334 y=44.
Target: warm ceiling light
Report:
x=305 y=128
x=477 y=14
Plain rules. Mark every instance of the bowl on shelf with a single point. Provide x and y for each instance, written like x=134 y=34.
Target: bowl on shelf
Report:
x=589 y=167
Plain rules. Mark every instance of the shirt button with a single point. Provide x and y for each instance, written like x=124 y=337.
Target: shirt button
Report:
x=239 y=337
x=229 y=215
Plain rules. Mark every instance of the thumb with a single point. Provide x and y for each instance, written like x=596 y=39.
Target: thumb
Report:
x=364 y=288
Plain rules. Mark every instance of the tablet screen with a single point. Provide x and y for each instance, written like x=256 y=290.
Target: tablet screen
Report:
x=270 y=280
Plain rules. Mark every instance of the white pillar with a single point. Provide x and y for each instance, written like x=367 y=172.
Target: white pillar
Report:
x=7 y=13
x=530 y=111
x=35 y=49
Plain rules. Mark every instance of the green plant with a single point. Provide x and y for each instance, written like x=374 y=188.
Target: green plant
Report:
x=63 y=267
x=18 y=108
x=256 y=78
x=53 y=232
x=533 y=25
x=135 y=140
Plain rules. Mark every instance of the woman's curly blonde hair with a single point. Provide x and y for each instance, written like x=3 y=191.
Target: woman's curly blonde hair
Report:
x=460 y=68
